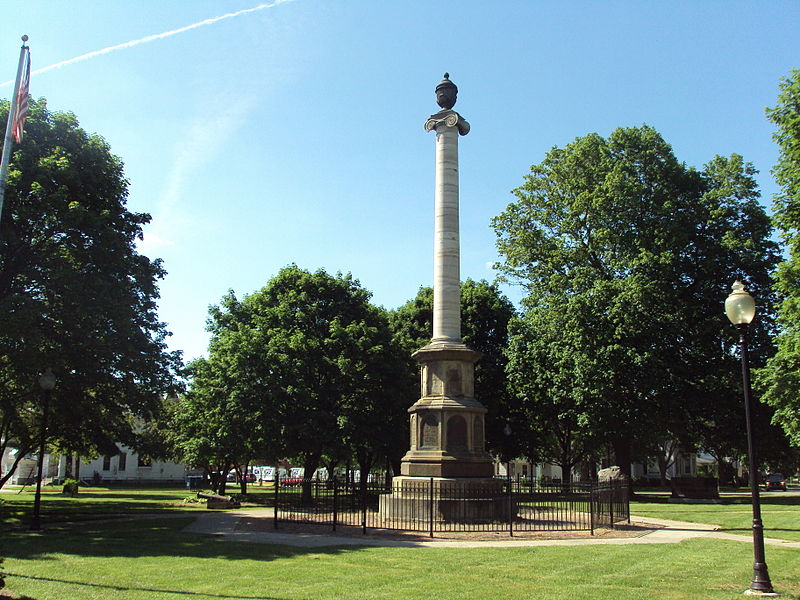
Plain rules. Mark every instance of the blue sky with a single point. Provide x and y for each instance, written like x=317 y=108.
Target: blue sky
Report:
x=293 y=133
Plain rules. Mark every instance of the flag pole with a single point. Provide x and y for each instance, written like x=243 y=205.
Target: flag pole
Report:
x=12 y=112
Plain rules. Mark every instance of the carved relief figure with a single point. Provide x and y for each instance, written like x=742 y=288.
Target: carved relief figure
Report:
x=430 y=431
x=456 y=433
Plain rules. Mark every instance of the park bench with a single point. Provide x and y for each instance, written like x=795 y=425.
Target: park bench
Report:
x=216 y=501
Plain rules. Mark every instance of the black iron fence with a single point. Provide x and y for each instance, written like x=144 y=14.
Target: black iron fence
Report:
x=434 y=505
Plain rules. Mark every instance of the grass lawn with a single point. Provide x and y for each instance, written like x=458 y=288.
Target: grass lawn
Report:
x=93 y=503
x=155 y=560
x=779 y=512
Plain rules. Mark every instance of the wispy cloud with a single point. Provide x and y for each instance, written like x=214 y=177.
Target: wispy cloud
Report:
x=203 y=138
x=154 y=37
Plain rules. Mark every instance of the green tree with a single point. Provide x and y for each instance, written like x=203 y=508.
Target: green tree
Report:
x=213 y=426
x=780 y=380
x=485 y=315
x=75 y=294
x=321 y=357
x=630 y=253
x=551 y=368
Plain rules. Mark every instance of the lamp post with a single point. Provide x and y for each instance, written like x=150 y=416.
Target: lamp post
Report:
x=741 y=309
x=507 y=433
x=47 y=381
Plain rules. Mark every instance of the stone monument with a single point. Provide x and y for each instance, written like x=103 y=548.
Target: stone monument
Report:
x=447 y=422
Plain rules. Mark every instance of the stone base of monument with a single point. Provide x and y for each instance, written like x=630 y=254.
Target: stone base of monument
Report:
x=469 y=501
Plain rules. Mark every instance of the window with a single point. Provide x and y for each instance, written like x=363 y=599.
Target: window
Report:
x=106 y=463
x=123 y=461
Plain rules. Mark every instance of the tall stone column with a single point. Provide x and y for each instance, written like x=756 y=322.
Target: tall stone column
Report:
x=448 y=125
x=447 y=422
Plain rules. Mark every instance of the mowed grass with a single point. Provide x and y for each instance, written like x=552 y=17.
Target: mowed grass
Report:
x=779 y=512
x=156 y=560
x=93 y=503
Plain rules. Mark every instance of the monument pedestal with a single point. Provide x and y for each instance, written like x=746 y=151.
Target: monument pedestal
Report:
x=450 y=500
x=447 y=423
x=447 y=471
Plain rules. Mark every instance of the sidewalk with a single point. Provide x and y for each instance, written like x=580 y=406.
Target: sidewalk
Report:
x=225 y=526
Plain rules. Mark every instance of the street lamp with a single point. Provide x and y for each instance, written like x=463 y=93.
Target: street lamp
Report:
x=507 y=433
x=741 y=309
x=47 y=381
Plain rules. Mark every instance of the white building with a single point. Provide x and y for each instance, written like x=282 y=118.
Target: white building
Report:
x=127 y=465
x=28 y=467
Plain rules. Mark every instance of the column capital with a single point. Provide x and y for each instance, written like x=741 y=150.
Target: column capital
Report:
x=447 y=118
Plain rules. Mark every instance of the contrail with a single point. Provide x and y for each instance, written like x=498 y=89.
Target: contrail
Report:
x=151 y=38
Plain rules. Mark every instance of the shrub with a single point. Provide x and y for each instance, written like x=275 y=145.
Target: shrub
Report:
x=70 y=487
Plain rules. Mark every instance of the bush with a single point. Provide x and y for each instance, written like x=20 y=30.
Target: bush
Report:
x=70 y=487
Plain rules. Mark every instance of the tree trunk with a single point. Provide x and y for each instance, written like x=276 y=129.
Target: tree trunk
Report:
x=622 y=456
x=592 y=466
x=566 y=462
x=211 y=479
x=310 y=464
x=365 y=461
x=662 y=469
x=20 y=455
x=330 y=467
x=243 y=479
x=726 y=472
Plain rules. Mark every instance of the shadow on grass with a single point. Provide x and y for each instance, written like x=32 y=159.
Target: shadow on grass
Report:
x=143 y=538
x=766 y=500
x=90 y=495
x=750 y=529
x=120 y=588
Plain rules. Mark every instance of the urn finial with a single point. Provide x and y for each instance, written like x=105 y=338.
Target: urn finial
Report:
x=446 y=93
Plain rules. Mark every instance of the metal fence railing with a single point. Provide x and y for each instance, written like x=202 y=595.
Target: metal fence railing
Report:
x=431 y=505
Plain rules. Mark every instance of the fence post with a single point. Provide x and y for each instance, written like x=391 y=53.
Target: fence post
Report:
x=277 y=485
x=430 y=505
x=628 y=501
x=363 y=485
x=510 y=508
x=613 y=483
x=335 y=490
x=591 y=507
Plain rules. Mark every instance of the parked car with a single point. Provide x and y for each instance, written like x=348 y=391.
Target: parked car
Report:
x=775 y=481
x=292 y=481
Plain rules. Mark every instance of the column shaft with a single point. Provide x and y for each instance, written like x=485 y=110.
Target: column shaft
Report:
x=446 y=260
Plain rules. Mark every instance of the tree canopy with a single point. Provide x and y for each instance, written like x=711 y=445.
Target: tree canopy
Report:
x=312 y=360
x=627 y=255
x=780 y=381
x=75 y=294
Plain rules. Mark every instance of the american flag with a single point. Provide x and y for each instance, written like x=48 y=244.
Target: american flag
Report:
x=22 y=98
